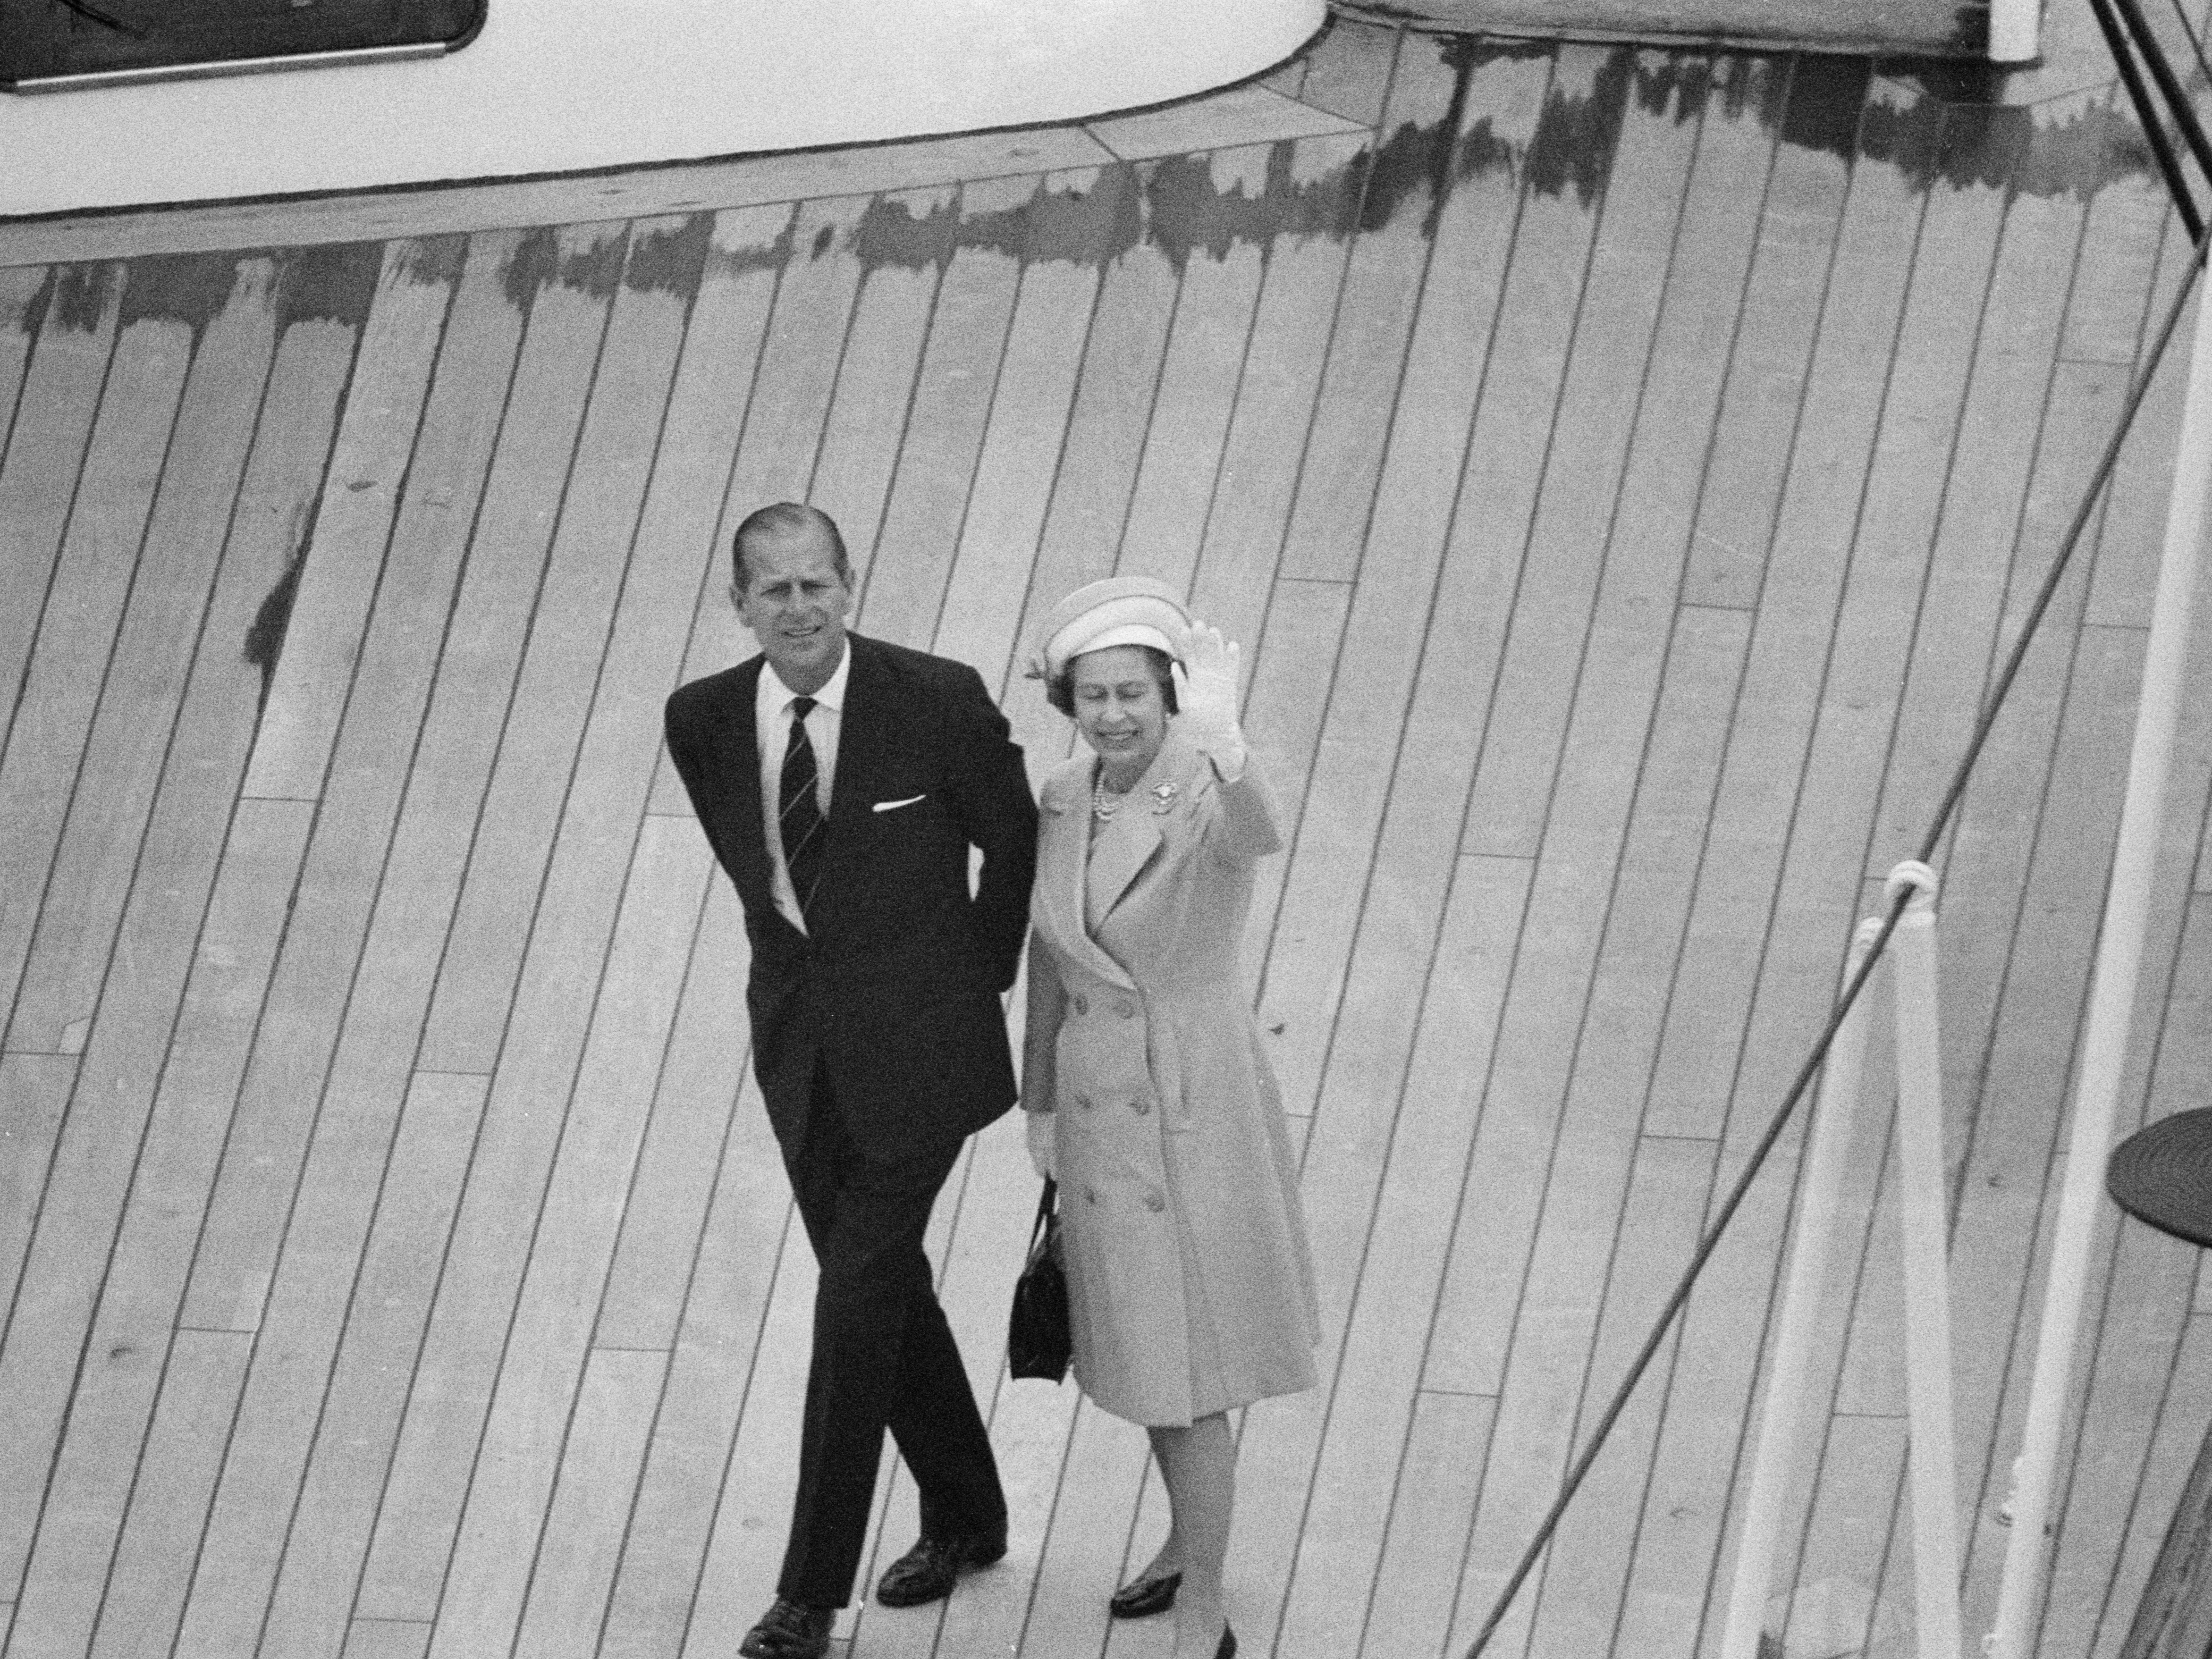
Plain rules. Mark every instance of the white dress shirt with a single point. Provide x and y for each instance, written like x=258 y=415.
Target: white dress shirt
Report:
x=772 y=727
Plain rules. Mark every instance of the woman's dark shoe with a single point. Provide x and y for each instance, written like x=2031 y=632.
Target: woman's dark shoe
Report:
x=1145 y=1596
x=1228 y=1648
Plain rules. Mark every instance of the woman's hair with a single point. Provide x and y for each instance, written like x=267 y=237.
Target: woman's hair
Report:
x=1059 y=689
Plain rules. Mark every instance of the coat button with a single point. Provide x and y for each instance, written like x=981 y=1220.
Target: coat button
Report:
x=1090 y=1194
x=1082 y=1004
x=1142 y=1104
x=1126 y=1008
x=1083 y=1100
x=1155 y=1203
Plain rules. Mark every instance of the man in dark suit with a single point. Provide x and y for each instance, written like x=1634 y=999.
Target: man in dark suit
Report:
x=841 y=782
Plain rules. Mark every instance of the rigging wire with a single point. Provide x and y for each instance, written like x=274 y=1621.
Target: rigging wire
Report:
x=1992 y=705
x=2153 y=132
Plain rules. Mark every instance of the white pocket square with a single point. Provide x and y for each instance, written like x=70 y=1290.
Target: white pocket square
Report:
x=893 y=805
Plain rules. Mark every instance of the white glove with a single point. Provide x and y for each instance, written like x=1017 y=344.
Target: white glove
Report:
x=1206 y=699
x=1039 y=1126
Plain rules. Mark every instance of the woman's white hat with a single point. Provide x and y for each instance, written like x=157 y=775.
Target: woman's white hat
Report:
x=1119 y=610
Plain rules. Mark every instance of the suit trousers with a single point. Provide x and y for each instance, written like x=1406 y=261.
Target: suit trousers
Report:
x=883 y=1358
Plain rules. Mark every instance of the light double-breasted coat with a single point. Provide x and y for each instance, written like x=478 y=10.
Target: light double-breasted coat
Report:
x=1191 y=1287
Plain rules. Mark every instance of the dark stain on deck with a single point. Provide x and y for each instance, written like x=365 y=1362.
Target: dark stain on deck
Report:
x=1826 y=104
x=597 y=270
x=670 y=259
x=334 y=283
x=538 y=261
x=76 y=297
x=753 y=257
x=1190 y=214
x=2010 y=149
x=529 y=266
x=272 y=619
x=433 y=261
x=190 y=289
x=1573 y=143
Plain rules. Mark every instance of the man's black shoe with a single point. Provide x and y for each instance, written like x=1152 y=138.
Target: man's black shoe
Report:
x=926 y=1572
x=790 y=1630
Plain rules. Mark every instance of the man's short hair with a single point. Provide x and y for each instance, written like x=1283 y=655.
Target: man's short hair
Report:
x=786 y=518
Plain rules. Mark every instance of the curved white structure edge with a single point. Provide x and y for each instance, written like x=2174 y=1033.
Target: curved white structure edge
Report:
x=557 y=85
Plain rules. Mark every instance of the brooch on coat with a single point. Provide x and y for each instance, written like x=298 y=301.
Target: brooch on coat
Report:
x=1163 y=798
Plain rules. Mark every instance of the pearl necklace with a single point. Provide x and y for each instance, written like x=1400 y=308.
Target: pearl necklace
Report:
x=1102 y=806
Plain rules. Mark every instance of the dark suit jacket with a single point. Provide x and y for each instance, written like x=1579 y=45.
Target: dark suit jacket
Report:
x=895 y=989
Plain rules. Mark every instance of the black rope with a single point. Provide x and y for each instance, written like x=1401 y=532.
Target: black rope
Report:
x=1992 y=706
x=2189 y=34
x=2169 y=85
x=2162 y=148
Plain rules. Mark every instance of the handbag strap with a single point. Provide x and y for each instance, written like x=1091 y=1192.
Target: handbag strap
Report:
x=1044 y=1208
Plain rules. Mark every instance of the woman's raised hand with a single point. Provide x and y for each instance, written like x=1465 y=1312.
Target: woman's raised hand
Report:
x=1206 y=698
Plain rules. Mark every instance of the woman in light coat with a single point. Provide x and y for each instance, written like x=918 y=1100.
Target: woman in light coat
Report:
x=1190 y=1287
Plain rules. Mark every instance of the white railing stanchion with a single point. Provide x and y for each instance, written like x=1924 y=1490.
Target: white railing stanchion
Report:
x=1923 y=1215
x=1776 y=1460
x=2014 y=25
x=2111 y=1007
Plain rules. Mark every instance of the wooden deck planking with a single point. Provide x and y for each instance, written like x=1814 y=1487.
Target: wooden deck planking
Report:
x=538 y=1421
x=78 y=613
x=1499 y=493
x=1821 y=600
x=490 y=618
x=1080 y=539
x=870 y=407
x=1539 y=679
x=1855 y=732
x=1107 y=364
x=313 y=675
x=1219 y=286
x=752 y=1511
x=361 y=1158
x=2005 y=846
x=564 y=799
x=35 y=1094
x=818 y=278
x=937 y=458
x=1416 y=148
x=1363 y=679
x=1954 y=646
x=72 y=1215
x=327 y=1534
x=21 y=290
x=1280 y=381
x=2017 y=1188
x=1642 y=1204
x=146 y=1588
x=135 y=1254
x=1619 y=306
x=1576 y=1602
x=535 y=783
x=986 y=592
x=1374 y=1401
x=125 y=749
x=707 y=1306
x=1348 y=68
x=39 y=474
x=678 y=559
x=986 y=1222
x=589 y=1504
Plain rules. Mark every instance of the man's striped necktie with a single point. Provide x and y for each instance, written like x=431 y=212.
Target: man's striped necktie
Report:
x=799 y=808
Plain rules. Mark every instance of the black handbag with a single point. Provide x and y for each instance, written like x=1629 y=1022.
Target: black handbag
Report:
x=1037 y=1340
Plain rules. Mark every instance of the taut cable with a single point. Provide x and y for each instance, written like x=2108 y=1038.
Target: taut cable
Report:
x=1992 y=706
